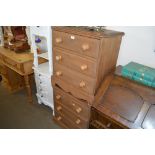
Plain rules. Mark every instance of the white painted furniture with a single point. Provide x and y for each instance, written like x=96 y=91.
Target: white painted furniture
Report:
x=43 y=71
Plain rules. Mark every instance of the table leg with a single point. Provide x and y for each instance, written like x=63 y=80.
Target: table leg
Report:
x=28 y=87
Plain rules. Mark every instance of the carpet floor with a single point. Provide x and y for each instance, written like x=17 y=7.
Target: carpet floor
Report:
x=17 y=113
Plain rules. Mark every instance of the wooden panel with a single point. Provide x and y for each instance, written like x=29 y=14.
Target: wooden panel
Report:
x=75 y=62
x=78 y=44
x=81 y=109
x=127 y=105
x=108 y=57
x=28 y=67
x=12 y=80
x=79 y=81
x=149 y=121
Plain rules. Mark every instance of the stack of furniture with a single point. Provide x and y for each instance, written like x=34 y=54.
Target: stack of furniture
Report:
x=41 y=36
x=15 y=38
x=123 y=103
x=81 y=59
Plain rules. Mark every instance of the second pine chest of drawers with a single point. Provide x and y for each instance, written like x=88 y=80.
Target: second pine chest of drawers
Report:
x=81 y=59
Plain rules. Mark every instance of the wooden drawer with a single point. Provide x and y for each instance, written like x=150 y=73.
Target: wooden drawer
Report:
x=76 y=120
x=63 y=121
x=12 y=63
x=78 y=107
x=76 y=43
x=75 y=62
x=100 y=121
x=78 y=80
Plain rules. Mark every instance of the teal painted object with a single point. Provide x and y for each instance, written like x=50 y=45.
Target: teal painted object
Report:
x=139 y=73
x=143 y=81
x=153 y=84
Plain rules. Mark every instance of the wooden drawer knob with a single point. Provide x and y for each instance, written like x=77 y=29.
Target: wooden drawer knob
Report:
x=59 y=118
x=85 y=47
x=59 y=108
x=108 y=125
x=84 y=67
x=82 y=84
x=73 y=104
x=58 y=73
x=72 y=37
x=78 y=121
x=58 y=57
x=78 y=110
x=58 y=97
x=58 y=40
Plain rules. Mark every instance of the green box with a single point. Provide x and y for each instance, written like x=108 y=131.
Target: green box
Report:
x=139 y=73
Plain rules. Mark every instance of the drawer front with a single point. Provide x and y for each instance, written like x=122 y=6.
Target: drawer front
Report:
x=81 y=109
x=12 y=63
x=99 y=120
x=78 y=80
x=78 y=44
x=62 y=120
x=76 y=120
x=75 y=62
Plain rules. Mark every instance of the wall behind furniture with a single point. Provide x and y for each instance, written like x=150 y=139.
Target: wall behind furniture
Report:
x=138 y=44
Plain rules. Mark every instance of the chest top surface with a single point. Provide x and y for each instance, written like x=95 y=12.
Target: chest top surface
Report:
x=82 y=31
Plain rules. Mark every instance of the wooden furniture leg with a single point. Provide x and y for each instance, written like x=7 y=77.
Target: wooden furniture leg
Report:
x=28 y=87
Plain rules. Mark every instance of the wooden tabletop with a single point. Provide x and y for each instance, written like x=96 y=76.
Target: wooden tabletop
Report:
x=18 y=57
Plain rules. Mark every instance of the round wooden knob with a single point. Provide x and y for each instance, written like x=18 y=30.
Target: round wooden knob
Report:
x=82 y=84
x=78 y=110
x=59 y=108
x=84 y=67
x=58 y=73
x=58 y=57
x=108 y=125
x=78 y=121
x=58 y=97
x=85 y=47
x=59 y=118
x=73 y=104
x=58 y=40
